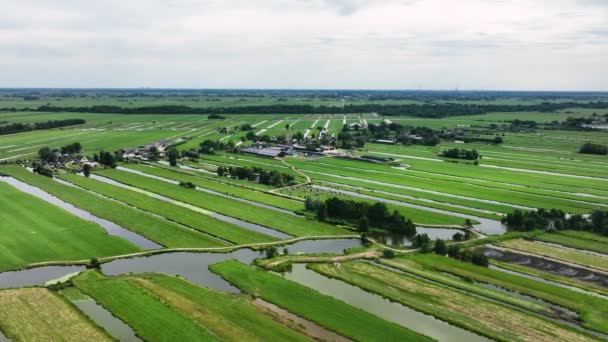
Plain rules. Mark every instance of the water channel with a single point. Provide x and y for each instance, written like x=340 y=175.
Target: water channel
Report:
x=104 y=318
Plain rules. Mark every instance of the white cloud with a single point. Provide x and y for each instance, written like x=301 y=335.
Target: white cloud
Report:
x=404 y=44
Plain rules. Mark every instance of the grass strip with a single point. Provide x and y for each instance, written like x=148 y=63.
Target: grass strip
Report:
x=289 y=224
x=198 y=221
x=230 y=317
x=228 y=189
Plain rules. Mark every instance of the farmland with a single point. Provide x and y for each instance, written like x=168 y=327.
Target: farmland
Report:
x=39 y=315
x=177 y=223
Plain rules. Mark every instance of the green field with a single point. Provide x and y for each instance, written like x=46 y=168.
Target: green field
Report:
x=172 y=212
x=50 y=235
x=161 y=231
x=323 y=310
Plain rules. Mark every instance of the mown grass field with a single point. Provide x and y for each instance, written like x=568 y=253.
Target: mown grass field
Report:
x=580 y=258
x=52 y=234
x=485 y=318
x=228 y=189
x=36 y=314
x=156 y=229
x=323 y=310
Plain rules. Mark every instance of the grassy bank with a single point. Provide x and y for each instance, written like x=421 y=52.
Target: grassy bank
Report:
x=592 y=310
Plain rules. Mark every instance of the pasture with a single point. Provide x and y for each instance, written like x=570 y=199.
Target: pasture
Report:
x=200 y=206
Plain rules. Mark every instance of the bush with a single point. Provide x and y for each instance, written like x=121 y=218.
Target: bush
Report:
x=590 y=148
x=188 y=185
x=480 y=259
x=387 y=253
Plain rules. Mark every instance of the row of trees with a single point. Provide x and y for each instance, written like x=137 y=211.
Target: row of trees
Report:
x=429 y=110
x=256 y=174
x=454 y=251
x=26 y=127
x=210 y=146
x=556 y=219
x=459 y=153
x=365 y=215
x=48 y=155
x=71 y=148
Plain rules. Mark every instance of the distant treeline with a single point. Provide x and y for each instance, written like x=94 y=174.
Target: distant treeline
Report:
x=423 y=110
x=26 y=127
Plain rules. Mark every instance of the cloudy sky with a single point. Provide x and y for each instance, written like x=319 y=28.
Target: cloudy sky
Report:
x=354 y=44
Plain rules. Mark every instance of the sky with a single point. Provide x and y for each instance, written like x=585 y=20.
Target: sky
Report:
x=306 y=44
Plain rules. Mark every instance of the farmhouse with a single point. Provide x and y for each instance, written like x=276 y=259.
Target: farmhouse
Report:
x=272 y=152
x=143 y=152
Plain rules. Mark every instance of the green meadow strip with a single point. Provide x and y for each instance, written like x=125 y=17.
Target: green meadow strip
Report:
x=129 y=302
x=228 y=189
x=156 y=229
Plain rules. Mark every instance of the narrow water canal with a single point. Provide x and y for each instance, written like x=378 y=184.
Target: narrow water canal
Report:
x=114 y=326
x=381 y=307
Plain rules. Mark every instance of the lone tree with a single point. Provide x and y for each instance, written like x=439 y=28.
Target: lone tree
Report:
x=172 y=155
x=86 y=170
x=271 y=252
x=440 y=247
x=94 y=263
